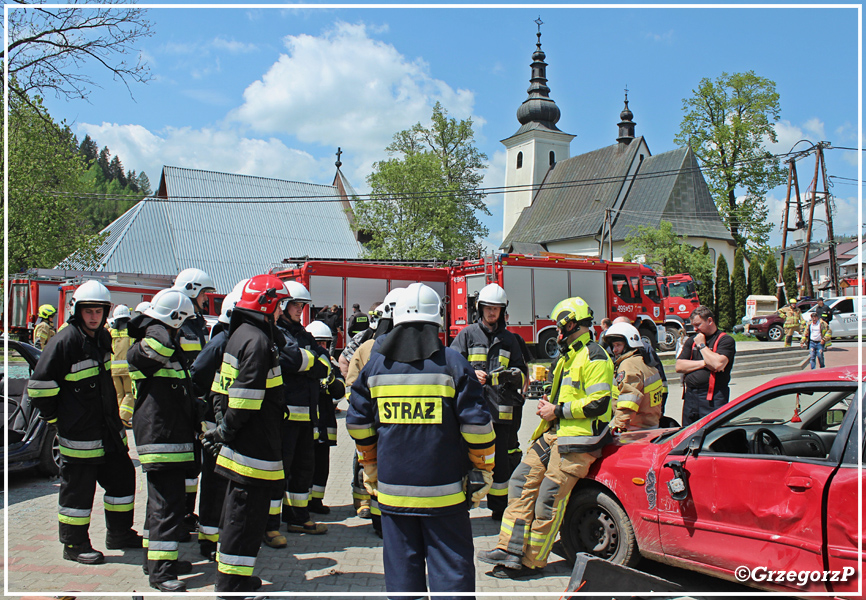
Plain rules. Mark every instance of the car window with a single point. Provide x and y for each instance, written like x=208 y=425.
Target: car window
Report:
x=846 y=305
x=623 y=289
x=18 y=366
x=650 y=289
x=679 y=289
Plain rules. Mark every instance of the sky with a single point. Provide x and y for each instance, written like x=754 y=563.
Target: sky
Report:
x=275 y=90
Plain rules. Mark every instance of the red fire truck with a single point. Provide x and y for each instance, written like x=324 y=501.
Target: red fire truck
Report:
x=679 y=299
x=533 y=284
x=28 y=291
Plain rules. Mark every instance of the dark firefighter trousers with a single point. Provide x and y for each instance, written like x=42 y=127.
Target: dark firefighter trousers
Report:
x=210 y=502
x=163 y=522
x=242 y=527
x=321 y=469
x=298 y=464
x=77 y=488
x=497 y=497
x=440 y=547
x=696 y=406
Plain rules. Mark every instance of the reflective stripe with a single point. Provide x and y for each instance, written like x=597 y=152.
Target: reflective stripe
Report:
x=73 y=516
x=274 y=378
x=169 y=453
x=478 y=434
x=566 y=411
x=432 y=496
x=81 y=449
x=190 y=346
x=190 y=485
x=161 y=554
x=477 y=354
x=298 y=413
x=250 y=467
x=575 y=384
x=598 y=387
x=276 y=507
x=232 y=564
x=157 y=545
x=397 y=381
x=118 y=504
x=307 y=359
x=252 y=393
x=652 y=379
x=498 y=489
x=332 y=433
x=230 y=360
x=297 y=500
x=42 y=389
x=208 y=533
x=360 y=431
x=629 y=401
x=82 y=370
x=154 y=345
x=244 y=403
x=504 y=358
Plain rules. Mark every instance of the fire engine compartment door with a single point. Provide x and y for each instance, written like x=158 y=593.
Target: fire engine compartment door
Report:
x=550 y=286
x=518 y=288
x=474 y=283
x=19 y=300
x=592 y=287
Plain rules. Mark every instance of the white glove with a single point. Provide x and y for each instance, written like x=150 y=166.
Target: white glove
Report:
x=371 y=479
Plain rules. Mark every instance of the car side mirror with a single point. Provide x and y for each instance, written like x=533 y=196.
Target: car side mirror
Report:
x=679 y=485
x=694 y=445
x=834 y=417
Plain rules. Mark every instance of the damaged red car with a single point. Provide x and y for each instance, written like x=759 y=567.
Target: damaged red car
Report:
x=763 y=491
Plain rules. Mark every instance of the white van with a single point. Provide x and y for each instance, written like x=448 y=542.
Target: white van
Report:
x=847 y=313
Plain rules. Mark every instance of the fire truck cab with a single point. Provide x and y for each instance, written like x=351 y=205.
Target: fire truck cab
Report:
x=679 y=299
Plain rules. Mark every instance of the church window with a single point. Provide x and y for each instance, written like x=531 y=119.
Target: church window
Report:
x=552 y=158
x=519 y=160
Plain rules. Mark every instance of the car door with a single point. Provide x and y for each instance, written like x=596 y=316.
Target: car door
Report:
x=748 y=508
x=845 y=320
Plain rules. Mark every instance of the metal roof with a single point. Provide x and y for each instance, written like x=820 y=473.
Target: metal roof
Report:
x=240 y=235
x=575 y=193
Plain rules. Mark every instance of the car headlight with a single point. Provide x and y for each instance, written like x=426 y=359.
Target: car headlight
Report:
x=760 y=321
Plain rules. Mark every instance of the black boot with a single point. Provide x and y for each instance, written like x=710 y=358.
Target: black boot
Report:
x=127 y=539
x=170 y=585
x=501 y=558
x=315 y=506
x=83 y=553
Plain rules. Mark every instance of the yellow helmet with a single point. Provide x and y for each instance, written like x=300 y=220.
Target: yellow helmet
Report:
x=46 y=311
x=792 y=301
x=572 y=309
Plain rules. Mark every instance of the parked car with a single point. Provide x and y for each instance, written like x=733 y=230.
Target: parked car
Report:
x=772 y=327
x=847 y=312
x=768 y=481
x=32 y=441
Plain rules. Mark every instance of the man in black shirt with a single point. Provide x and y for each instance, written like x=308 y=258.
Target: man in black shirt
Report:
x=705 y=361
x=358 y=321
x=824 y=312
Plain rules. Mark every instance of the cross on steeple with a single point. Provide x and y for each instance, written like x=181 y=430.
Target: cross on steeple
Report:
x=539 y=22
x=339 y=163
x=626 y=92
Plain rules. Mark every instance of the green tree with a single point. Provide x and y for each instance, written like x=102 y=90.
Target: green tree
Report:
x=104 y=162
x=424 y=201
x=739 y=289
x=771 y=272
x=789 y=275
x=46 y=223
x=665 y=251
x=144 y=184
x=88 y=150
x=726 y=124
x=706 y=293
x=756 y=277
x=724 y=304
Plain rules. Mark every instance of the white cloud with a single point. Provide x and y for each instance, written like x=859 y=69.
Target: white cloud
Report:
x=845 y=218
x=207 y=149
x=233 y=46
x=788 y=134
x=665 y=38
x=346 y=89
x=815 y=126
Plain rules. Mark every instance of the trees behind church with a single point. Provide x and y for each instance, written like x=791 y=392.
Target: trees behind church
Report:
x=425 y=200
x=726 y=124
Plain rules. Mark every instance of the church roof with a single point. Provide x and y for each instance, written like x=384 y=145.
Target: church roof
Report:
x=231 y=226
x=576 y=192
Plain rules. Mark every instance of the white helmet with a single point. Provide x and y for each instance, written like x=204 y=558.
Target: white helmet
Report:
x=387 y=307
x=142 y=306
x=298 y=292
x=171 y=307
x=492 y=295
x=320 y=331
x=121 y=311
x=418 y=303
x=626 y=331
x=90 y=292
x=192 y=282
x=228 y=305
x=239 y=286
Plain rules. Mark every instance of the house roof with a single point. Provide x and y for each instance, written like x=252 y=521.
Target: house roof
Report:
x=843 y=250
x=231 y=226
x=572 y=200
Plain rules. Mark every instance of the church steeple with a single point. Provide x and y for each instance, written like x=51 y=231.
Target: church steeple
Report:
x=626 y=125
x=538 y=107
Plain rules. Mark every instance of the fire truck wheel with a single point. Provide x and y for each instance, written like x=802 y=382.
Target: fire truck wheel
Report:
x=649 y=337
x=547 y=348
x=671 y=335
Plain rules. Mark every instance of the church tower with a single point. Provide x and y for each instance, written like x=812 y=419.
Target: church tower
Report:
x=536 y=146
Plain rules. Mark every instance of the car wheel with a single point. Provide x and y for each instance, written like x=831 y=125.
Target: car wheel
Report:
x=649 y=337
x=671 y=335
x=776 y=333
x=595 y=523
x=49 y=456
x=547 y=347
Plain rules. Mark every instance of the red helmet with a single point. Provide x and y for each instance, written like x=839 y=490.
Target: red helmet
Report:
x=262 y=293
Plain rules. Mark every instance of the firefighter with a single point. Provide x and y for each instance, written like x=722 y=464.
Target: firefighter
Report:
x=195 y=284
x=500 y=366
x=72 y=388
x=304 y=363
x=247 y=440
x=574 y=427
x=792 y=317
x=205 y=375
x=44 y=329
x=425 y=439
x=359 y=338
x=325 y=434
x=120 y=344
x=639 y=386
x=366 y=507
x=651 y=358
x=141 y=307
x=358 y=322
x=165 y=430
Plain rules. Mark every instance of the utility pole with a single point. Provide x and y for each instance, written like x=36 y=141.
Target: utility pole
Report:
x=792 y=178
x=831 y=248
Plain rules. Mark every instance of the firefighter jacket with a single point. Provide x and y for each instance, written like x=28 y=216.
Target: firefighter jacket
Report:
x=493 y=352
x=120 y=345
x=251 y=378
x=205 y=375
x=427 y=425
x=358 y=322
x=791 y=316
x=329 y=395
x=300 y=381
x=640 y=392
x=165 y=410
x=193 y=336
x=42 y=333
x=72 y=387
x=582 y=390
